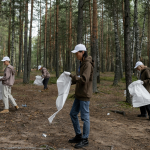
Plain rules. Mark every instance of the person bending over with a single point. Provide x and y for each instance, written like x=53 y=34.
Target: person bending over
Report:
x=7 y=82
x=45 y=75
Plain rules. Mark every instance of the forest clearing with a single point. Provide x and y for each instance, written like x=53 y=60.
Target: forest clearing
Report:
x=25 y=127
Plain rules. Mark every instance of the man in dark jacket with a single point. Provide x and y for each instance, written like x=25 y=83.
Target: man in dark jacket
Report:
x=145 y=77
x=83 y=93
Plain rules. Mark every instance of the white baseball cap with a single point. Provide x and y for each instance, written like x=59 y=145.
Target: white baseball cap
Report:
x=6 y=58
x=138 y=64
x=79 y=47
x=39 y=67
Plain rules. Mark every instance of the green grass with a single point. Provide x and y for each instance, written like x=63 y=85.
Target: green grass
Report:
x=107 y=78
x=133 y=79
x=52 y=80
x=125 y=104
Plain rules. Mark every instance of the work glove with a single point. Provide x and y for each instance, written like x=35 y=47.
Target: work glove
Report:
x=67 y=73
x=142 y=82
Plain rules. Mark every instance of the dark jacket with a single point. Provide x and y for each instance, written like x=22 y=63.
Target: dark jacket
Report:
x=145 y=77
x=9 y=76
x=84 y=84
x=45 y=73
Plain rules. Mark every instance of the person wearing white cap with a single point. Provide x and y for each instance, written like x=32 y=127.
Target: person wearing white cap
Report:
x=83 y=93
x=8 y=81
x=45 y=75
x=145 y=77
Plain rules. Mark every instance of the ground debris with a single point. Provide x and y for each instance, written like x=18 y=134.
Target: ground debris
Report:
x=119 y=112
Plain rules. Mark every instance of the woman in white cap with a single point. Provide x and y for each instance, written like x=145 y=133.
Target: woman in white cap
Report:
x=45 y=75
x=83 y=93
x=145 y=77
x=8 y=81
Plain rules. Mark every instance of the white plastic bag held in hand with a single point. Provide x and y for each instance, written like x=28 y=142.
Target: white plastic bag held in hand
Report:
x=63 y=85
x=141 y=96
x=38 y=80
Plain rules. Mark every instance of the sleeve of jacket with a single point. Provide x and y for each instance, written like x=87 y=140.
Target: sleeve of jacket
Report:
x=147 y=80
x=85 y=77
x=6 y=75
x=44 y=73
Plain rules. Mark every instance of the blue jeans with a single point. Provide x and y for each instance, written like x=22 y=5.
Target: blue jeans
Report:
x=83 y=108
x=45 y=82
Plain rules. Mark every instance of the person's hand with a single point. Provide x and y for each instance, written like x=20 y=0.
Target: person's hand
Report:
x=67 y=73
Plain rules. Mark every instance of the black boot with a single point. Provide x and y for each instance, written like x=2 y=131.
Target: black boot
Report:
x=142 y=115
x=82 y=143
x=76 y=139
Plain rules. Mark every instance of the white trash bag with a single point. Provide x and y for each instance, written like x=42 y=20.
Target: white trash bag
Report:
x=141 y=96
x=63 y=85
x=38 y=80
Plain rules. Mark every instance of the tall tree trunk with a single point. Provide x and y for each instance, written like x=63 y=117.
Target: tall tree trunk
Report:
x=79 y=29
x=137 y=48
x=70 y=37
x=9 y=33
x=57 y=45
x=40 y=61
x=50 y=41
x=128 y=75
x=25 y=74
x=117 y=65
x=90 y=26
x=54 y=53
x=94 y=45
x=30 y=43
x=148 y=52
x=13 y=32
x=20 y=40
x=140 y=51
x=102 y=45
x=45 y=33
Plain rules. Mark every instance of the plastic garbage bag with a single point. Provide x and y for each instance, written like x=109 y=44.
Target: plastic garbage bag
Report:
x=63 y=85
x=141 y=96
x=38 y=80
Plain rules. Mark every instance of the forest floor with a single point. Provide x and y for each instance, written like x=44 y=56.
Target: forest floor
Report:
x=24 y=128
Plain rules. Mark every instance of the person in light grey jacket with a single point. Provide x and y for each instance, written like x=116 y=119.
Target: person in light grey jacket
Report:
x=45 y=75
x=7 y=82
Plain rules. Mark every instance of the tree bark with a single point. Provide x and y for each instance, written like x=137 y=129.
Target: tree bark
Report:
x=70 y=37
x=50 y=41
x=9 y=33
x=94 y=45
x=30 y=43
x=90 y=26
x=128 y=75
x=13 y=32
x=57 y=44
x=40 y=61
x=137 y=48
x=79 y=29
x=117 y=65
x=20 y=39
x=45 y=33
x=25 y=74
x=102 y=45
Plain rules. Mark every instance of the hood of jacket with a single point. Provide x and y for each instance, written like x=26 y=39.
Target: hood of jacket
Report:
x=88 y=59
x=12 y=68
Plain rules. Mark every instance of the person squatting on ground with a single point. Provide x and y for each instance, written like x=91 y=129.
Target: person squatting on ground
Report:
x=145 y=77
x=45 y=75
x=7 y=82
x=83 y=93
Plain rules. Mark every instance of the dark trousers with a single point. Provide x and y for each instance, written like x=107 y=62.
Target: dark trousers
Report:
x=45 y=82
x=143 y=110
